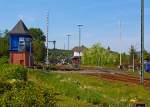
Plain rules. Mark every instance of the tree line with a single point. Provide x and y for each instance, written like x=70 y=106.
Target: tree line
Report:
x=97 y=55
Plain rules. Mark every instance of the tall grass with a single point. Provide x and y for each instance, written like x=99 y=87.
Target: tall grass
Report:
x=93 y=90
x=21 y=86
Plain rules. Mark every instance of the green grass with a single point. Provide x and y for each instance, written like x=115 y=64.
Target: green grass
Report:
x=67 y=90
x=78 y=90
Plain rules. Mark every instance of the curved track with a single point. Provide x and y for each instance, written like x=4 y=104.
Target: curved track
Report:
x=121 y=77
x=111 y=75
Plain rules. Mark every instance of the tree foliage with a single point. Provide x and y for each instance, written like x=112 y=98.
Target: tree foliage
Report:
x=146 y=56
x=4 y=46
x=56 y=55
x=37 y=34
x=133 y=54
x=99 y=56
x=38 y=44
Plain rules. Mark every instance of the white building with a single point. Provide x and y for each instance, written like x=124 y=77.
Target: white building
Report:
x=78 y=52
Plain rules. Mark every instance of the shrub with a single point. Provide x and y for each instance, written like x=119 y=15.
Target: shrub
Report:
x=9 y=72
x=28 y=95
x=3 y=60
x=4 y=86
x=16 y=91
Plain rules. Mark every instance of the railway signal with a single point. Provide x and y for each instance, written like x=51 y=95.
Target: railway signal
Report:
x=54 y=44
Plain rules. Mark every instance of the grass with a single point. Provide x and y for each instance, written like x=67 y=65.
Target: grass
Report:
x=71 y=89
x=78 y=90
x=137 y=73
x=68 y=92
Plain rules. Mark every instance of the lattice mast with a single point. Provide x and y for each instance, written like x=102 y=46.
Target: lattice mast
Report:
x=47 y=29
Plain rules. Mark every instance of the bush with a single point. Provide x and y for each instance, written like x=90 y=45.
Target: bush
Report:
x=9 y=72
x=4 y=86
x=3 y=60
x=28 y=95
x=16 y=91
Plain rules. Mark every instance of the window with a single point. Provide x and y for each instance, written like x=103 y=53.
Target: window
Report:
x=21 y=44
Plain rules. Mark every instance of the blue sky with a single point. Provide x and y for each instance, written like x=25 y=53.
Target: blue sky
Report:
x=99 y=17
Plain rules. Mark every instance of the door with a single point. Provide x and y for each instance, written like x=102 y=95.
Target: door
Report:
x=21 y=62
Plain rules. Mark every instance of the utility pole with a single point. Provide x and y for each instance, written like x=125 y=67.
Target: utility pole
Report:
x=142 y=43
x=30 y=53
x=68 y=41
x=47 y=27
x=64 y=47
x=79 y=43
x=133 y=60
x=120 y=28
x=79 y=37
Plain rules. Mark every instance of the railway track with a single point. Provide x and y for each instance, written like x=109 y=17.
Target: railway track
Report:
x=119 y=77
x=108 y=75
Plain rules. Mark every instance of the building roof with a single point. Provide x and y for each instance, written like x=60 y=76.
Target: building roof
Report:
x=20 y=29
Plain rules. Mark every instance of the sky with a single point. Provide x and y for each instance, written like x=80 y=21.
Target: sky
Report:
x=100 y=19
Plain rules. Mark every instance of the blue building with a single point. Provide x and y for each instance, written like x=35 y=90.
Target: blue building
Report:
x=20 y=45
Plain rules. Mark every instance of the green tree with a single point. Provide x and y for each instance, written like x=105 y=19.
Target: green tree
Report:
x=108 y=48
x=97 y=55
x=38 y=44
x=6 y=35
x=37 y=34
x=125 y=58
x=146 y=56
x=38 y=51
x=4 y=45
x=133 y=53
